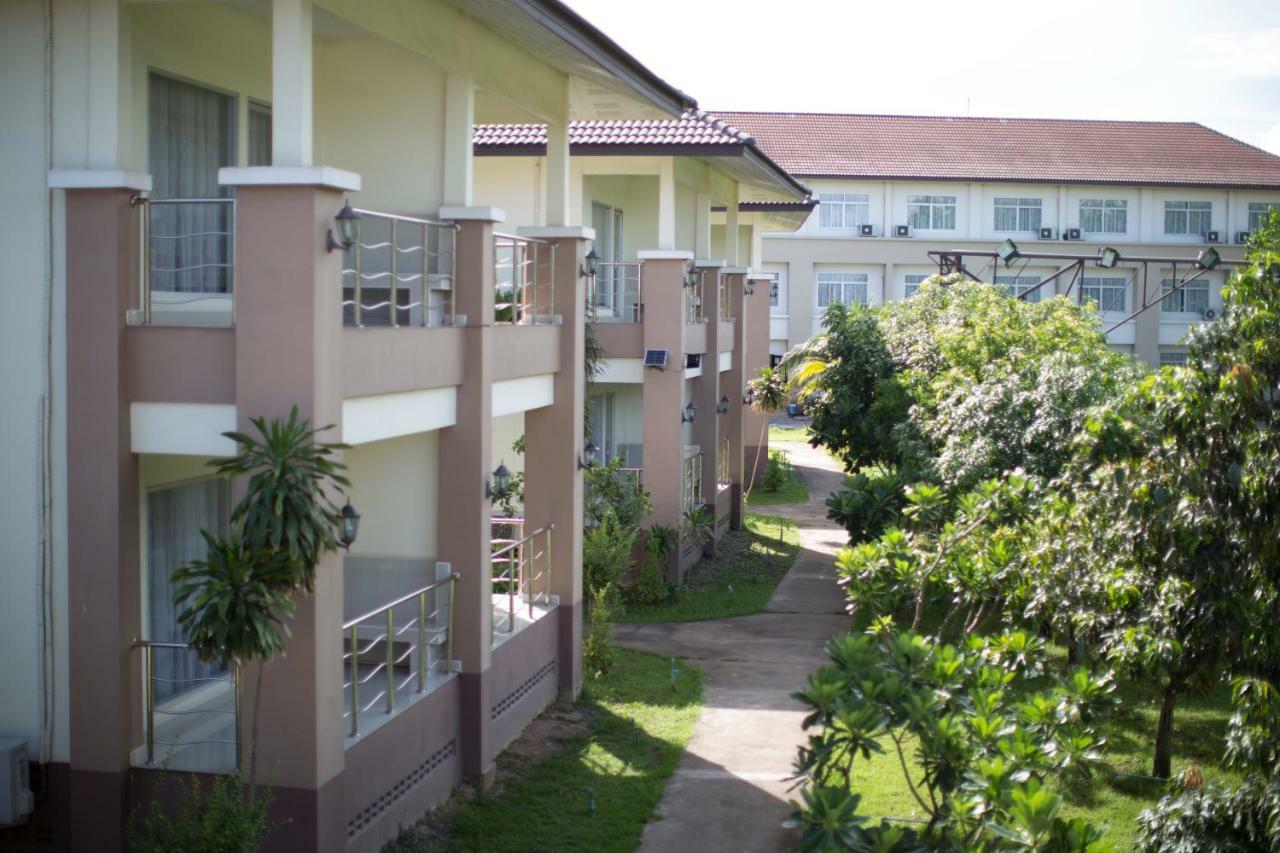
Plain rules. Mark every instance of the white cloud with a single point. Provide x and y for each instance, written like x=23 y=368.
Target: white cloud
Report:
x=1243 y=54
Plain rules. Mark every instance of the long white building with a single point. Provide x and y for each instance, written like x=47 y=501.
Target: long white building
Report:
x=893 y=189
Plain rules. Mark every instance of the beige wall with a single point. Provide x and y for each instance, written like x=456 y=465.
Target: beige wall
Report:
x=395 y=486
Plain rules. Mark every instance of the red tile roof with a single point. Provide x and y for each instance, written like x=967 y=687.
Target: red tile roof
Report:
x=996 y=149
x=692 y=128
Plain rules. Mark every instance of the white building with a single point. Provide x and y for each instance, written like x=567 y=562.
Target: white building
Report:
x=893 y=189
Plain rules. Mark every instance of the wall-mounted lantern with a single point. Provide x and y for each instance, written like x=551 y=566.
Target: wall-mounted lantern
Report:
x=348 y=525
x=692 y=277
x=501 y=482
x=687 y=416
x=749 y=398
x=590 y=457
x=750 y=288
x=591 y=265
x=347 y=222
x=723 y=406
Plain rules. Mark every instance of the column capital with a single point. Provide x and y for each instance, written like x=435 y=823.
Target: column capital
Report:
x=557 y=232
x=326 y=177
x=99 y=179
x=471 y=213
x=663 y=255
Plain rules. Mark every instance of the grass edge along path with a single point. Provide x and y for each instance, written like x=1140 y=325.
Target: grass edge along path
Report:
x=738 y=581
x=794 y=492
x=600 y=789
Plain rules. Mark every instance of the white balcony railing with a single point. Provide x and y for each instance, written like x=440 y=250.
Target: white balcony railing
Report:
x=399 y=272
x=616 y=293
x=395 y=652
x=523 y=280
x=190 y=711
x=188 y=262
x=693 y=313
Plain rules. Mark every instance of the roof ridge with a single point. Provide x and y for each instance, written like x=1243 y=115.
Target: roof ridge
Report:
x=806 y=113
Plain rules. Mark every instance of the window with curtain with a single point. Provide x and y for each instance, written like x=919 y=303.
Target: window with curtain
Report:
x=600 y=428
x=1108 y=292
x=932 y=212
x=1018 y=214
x=1016 y=285
x=1191 y=298
x=176 y=515
x=1172 y=357
x=1260 y=211
x=190 y=136
x=843 y=210
x=912 y=286
x=609 y=296
x=847 y=288
x=1193 y=218
x=1104 y=215
x=259 y=134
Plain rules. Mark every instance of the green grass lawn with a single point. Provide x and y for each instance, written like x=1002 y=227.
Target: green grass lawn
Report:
x=799 y=432
x=750 y=561
x=794 y=492
x=636 y=729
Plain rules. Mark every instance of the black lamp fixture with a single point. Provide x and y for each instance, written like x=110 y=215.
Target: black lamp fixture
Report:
x=501 y=481
x=347 y=221
x=686 y=417
x=1208 y=258
x=590 y=456
x=1007 y=252
x=692 y=277
x=723 y=406
x=749 y=398
x=749 y=288
x=1108 y=257
x=348 y=525
x=591 y=265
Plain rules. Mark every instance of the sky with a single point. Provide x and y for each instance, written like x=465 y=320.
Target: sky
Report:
x=1217 y=63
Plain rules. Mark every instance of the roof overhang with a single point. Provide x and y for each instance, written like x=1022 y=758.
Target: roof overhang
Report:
x=1081 y=182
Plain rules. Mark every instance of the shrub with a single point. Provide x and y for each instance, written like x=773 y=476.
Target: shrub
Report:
x=222 y=820
x=777 y=472
x=610 y=490
x=606 y=552
x=870 y=502
x=597 y=646
x=651 y=587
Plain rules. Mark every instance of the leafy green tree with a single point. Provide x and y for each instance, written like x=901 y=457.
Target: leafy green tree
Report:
x=985 y=742
x=767 y=391
x=234 y=605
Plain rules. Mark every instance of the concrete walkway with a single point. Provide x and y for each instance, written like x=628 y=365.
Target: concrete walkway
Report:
x=729 y=792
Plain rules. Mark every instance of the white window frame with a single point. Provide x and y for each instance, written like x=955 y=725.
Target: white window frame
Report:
x=1189 y=211
x=844 y=210
x=1026 y=213
x=828 y=279
x=1112 y=213
x=937 y=211
x=1172 y=357
x=1176 y=301
x=1016 y=285
x=1103 y=285
x=1259 y=211
x=911 y=284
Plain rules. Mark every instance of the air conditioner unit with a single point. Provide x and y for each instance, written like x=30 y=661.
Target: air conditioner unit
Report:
x=1071 y=234
x=16 y=801
x=902 y=231
x=867 y=230
x=655 y=358
x=1212 y=237
x=1209 y=313
x=1046 y=233
x=1242 y=236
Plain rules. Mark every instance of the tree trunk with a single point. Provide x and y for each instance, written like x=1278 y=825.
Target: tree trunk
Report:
x=1073 y=649
x=973 y=624
x=1161 y=766
x=919 y=614
x=945 y=627
x=253 y=733
x=755 y=468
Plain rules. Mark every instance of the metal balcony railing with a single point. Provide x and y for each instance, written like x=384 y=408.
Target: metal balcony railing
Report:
x=693 y=313
x=191 y=719
x=379 y=649
x=399 y=272
x=521 y=564
x=616 y=292
x=188 y=261
x=726 y=298
x=523 y=280
x=691 y=480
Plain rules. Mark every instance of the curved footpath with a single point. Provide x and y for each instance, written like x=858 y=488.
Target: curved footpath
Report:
x=730 y=790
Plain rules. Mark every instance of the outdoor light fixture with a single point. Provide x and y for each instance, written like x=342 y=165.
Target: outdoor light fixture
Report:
x=749 y=398
x=1108 y=257
x=590 y=455
x=1007 y=252
x=689 y=411
x=592 y=265
x=723 y=406
x=346 y=220
x=348 y=525
x=691 y=278
x=501 y=481
x=750 y=288
x=1208 y=258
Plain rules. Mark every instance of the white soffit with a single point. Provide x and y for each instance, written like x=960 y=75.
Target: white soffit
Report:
x=622 y=370
x=185 y=429
x=521 y=395
x=382 y=416
x=726 y=361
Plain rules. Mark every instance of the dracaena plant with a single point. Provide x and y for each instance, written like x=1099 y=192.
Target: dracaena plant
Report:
x=985 y=741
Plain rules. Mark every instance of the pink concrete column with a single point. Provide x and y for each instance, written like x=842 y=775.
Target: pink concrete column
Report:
x=732 y=385
x=103 y=565
x=465 y=511
x=554 y=440
x=755 y=330
x=664 y=274
x=706 y=388
x=289 y=352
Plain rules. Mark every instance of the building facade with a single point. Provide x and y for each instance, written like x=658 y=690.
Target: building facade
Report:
x=894 y=189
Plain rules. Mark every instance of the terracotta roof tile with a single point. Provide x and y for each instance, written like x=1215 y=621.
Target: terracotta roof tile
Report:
x=693 y=128
x=996 y=149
